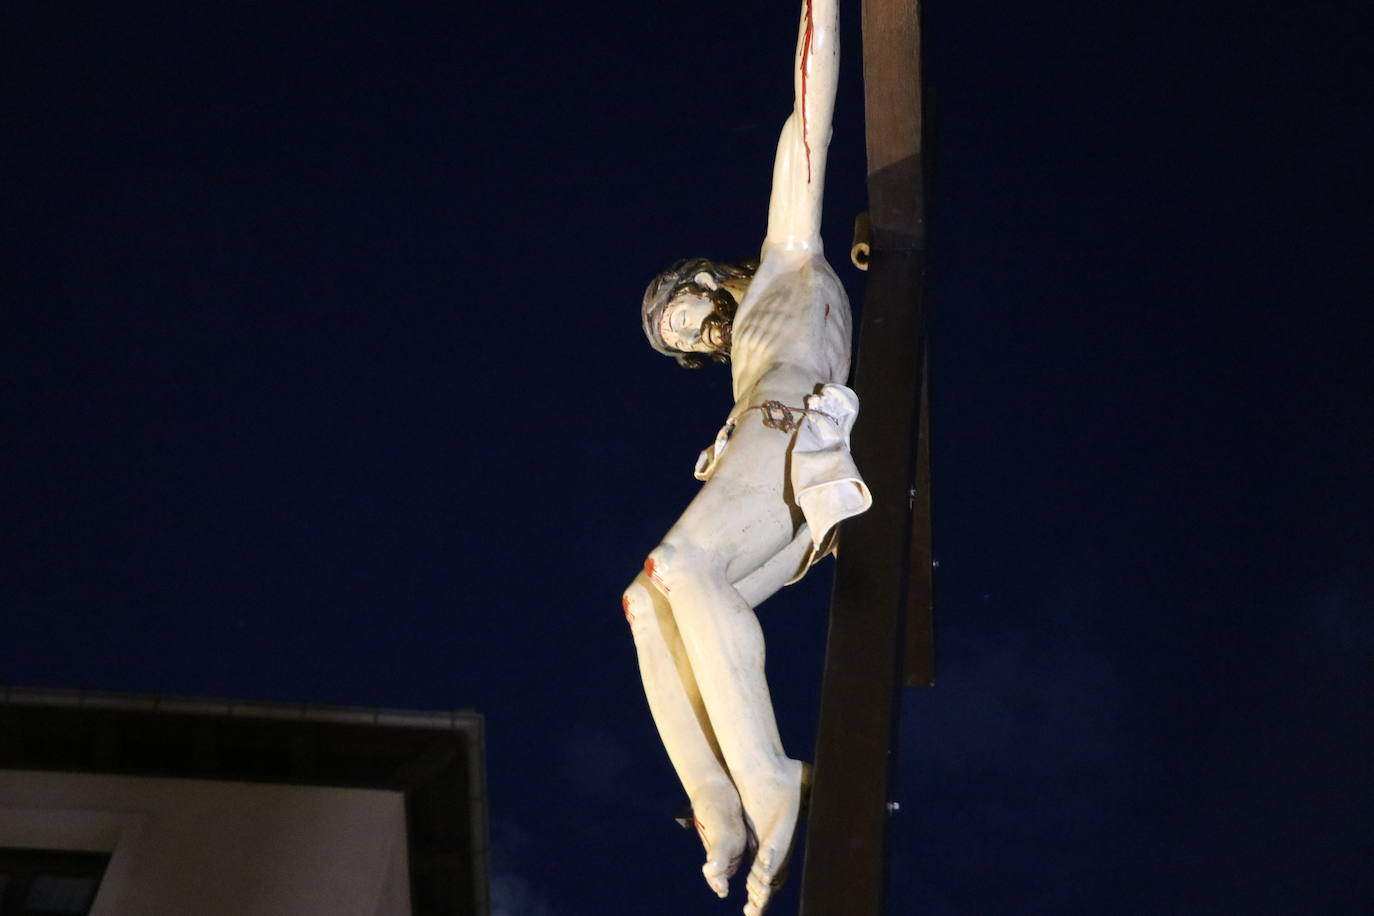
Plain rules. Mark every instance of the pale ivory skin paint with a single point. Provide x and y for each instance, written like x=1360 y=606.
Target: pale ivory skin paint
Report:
x=699 y=644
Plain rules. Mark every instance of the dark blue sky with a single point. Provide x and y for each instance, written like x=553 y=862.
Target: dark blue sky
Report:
x=323 y=381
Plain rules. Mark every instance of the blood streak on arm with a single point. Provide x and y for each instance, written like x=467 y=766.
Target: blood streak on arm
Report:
x=805 y=57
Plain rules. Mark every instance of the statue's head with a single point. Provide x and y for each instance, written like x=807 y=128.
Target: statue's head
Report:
x=688 y=309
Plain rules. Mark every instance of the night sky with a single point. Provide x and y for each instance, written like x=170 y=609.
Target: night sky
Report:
x=323 y=382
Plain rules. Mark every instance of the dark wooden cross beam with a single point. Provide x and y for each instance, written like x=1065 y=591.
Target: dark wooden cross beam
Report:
x=880 y=616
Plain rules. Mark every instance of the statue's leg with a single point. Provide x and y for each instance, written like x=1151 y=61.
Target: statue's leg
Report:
x=738 y=522
x=676 y=705
x=761 y=584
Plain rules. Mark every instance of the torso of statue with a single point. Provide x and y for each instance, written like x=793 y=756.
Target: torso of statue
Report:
x=792 y=331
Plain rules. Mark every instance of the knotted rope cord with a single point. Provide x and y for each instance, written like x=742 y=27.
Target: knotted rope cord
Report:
x=779 y=416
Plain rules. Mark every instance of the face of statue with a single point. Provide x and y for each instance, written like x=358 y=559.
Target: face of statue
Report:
x=682 y=322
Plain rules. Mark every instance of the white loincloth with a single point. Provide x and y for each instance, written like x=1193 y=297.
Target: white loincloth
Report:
x=826 y=483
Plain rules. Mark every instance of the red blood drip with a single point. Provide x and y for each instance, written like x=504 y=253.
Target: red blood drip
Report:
x=649 y=568
x=806 y=54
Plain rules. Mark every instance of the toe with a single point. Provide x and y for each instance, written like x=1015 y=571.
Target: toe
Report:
x=760 y=887
x=716 y=878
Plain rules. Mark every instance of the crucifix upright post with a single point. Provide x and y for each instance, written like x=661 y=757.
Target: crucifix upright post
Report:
x=882 y=577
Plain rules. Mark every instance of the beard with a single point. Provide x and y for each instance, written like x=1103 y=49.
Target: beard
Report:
x=715 y=330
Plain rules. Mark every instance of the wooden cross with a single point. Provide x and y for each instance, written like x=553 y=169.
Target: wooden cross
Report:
x=881 y=631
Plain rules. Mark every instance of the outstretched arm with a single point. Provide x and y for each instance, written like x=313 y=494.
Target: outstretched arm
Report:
x=794 y=209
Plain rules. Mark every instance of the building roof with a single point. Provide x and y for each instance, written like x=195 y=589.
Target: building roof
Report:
x=436 y=759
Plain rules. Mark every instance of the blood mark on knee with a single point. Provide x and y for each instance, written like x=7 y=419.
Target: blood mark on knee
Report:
x=650 y=568
x=625 y=603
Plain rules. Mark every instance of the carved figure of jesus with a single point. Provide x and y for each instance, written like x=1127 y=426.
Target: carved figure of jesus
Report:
x=778 y=479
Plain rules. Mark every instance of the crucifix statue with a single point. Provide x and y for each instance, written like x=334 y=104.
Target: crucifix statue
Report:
x=778 y=479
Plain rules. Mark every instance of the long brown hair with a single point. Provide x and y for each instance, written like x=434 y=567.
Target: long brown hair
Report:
x=681 y=278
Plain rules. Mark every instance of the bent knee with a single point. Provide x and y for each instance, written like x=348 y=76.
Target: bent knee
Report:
x=638 y=601
x=669 y=564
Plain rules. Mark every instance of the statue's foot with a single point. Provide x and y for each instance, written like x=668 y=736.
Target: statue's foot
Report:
x=773 y=811
x=719 y=821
